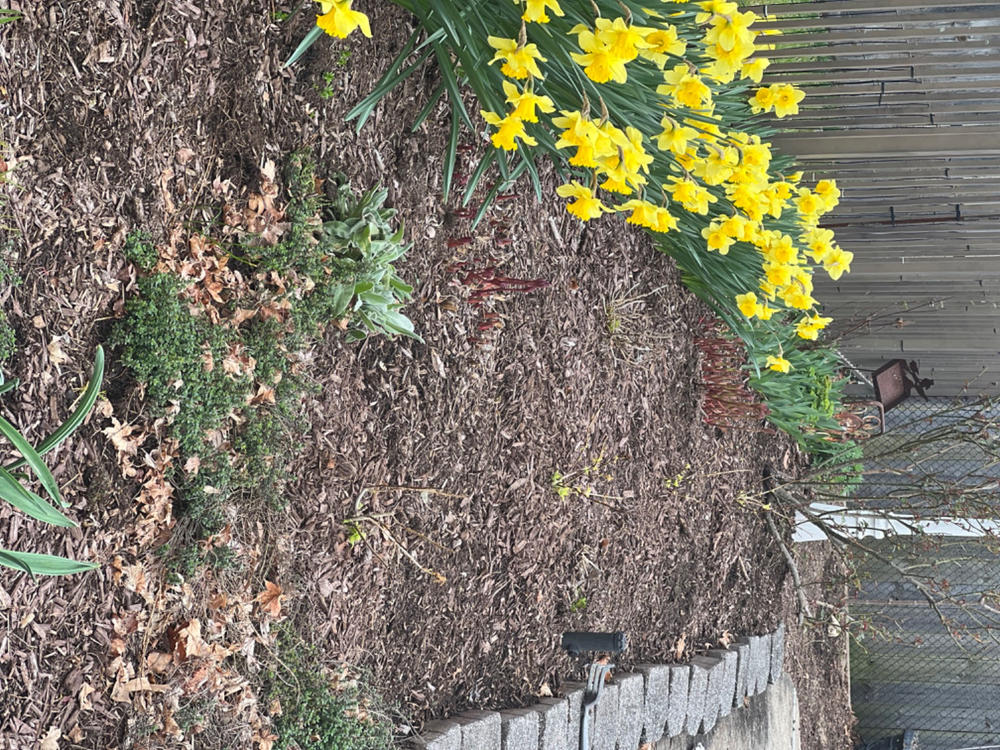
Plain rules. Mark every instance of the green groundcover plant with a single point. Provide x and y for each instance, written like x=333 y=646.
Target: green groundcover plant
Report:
x=225 y=370
x=14 y=491
x=651 y=110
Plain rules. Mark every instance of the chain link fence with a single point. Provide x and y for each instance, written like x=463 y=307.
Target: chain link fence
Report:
x=925 y=660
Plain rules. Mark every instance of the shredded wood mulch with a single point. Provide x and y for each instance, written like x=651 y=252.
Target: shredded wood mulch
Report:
x=538 y=464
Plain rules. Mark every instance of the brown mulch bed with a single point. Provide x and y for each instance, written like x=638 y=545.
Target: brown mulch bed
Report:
x=114 y=111
x=816 y=654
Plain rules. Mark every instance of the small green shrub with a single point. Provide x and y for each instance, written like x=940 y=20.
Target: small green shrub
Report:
x=336 y=257
x=8 y=339
x=140 y=251
x=348 y=256
x=166 y=347
x=313 y=715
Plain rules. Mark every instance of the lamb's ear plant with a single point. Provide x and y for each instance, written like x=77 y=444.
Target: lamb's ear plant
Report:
x=13 y=491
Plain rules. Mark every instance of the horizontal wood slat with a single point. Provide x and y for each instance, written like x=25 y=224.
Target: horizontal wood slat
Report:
x=902 y=108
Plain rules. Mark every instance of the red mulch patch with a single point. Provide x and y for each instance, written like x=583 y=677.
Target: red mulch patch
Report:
x=114 y=111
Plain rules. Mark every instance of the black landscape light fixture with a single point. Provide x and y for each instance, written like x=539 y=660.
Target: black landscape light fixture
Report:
x=577 y=643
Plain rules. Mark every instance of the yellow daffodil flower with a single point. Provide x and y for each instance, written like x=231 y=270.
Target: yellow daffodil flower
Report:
x=837 y=262
x=754 y=69
x=535 y=10
x=717 y=238
x=692 y=196
x=665 y=221
x=786 y=99
x=518 y=61
x=715 y=8
x=747 y=303
x=338 y=19
x=828 y=191
x=809 y=326
x=764 y=312
x=599 y=63
x=674 y=137
x=585 y=205
x=684 y=88
x=525 y=102
x=624 y=41
x=665 y=44
x=509 y=130
x=778 y=364
x=762 y=100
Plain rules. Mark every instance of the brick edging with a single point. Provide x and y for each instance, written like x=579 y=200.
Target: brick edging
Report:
x=653 y=702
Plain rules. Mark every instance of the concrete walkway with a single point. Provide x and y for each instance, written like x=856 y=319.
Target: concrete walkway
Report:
x=769 y=721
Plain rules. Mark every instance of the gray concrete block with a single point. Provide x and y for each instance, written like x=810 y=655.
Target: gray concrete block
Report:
x=631 y=705
x=604 y=731
x=727 y=690
x=763 y=664
x=553 y=716
x=677 y=702
x=439 y=735
x=777 y=653
x=574 y=697
x=696 y=698
x=519 y=729
x=480 y=730
x=756 y=663
x=656 y=684
x=743 y=662
x=680 y=742
x=713 y=689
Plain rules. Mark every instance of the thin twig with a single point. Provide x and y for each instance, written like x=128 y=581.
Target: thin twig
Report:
x=804 y=610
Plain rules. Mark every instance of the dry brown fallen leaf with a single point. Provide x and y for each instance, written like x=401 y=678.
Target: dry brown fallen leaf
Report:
x=680 y=646
x=725 y=639
x=157 y=662
x=51 y=740
x=86 y=689
x=56 y=354
x=270 y=599
x=192 y=465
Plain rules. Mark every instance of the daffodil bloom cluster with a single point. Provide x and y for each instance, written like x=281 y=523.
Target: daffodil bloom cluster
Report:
x=695 y=163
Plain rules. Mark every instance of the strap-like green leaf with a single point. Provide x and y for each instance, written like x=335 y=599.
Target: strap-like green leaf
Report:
x=67 y=428
x=46 y=565
x=451 y=151
x=27 y=501
x=31 y=456
x=8 y=385
x=307 y=41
